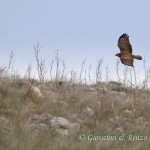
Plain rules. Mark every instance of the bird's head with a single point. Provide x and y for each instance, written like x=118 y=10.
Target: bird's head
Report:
x=118 y=54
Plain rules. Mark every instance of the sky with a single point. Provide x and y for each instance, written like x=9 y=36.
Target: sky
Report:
x=79 y=29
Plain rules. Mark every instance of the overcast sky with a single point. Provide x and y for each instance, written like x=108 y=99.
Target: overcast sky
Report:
x=79 y=29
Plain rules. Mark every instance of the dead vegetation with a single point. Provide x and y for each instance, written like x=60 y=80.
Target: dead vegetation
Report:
x=72 y=115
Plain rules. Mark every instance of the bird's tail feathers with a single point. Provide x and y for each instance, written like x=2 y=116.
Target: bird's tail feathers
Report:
x=137 y=57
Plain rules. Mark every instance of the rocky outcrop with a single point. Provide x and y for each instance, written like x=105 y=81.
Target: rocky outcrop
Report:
x=62 y=126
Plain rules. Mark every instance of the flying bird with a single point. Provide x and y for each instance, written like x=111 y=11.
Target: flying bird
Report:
x=125 y=54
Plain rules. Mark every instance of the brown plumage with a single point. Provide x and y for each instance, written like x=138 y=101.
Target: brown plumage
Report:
x=125 y=54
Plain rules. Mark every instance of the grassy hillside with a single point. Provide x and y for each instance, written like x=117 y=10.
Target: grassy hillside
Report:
x=61 y=113
x=118 y=111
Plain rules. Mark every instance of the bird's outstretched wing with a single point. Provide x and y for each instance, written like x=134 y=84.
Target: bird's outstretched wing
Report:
x=124 y=44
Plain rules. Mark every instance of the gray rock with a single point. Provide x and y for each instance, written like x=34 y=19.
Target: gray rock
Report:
x=63 y=132
x=87 y=113
x=37 y=127
x=41 y=118
x=74 y=127
x=62 y=123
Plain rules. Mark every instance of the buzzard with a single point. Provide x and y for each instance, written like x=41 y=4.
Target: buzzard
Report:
x=125 y=54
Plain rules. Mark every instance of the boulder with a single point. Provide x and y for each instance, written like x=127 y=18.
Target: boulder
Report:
x=62 y=124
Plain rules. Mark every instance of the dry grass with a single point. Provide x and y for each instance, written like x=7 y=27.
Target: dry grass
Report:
x=131 y=114
x=119 y=109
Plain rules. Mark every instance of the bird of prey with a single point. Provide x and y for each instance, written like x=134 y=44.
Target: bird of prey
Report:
x=125 y=54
